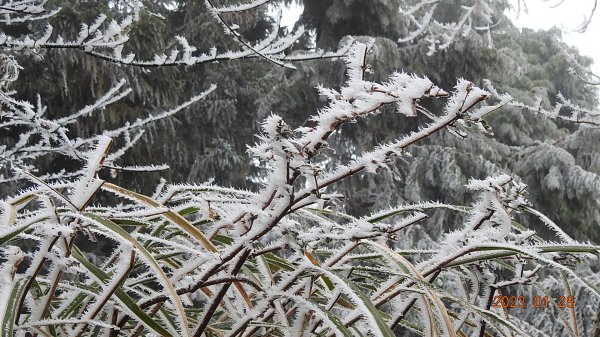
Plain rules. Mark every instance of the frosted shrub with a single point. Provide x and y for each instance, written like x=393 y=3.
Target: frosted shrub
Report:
x=194 y=260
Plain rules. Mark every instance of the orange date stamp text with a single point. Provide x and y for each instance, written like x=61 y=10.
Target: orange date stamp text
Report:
x=537 y=302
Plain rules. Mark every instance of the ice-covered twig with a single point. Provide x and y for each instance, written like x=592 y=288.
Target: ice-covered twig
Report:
x=106 y=40
x=15 y=11
x=41 y=137
x=240 y=7
x=577 y=69
x=564 y=109
x=422 y=16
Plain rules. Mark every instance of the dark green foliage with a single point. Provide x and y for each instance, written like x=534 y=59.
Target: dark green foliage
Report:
x=207 y=140
x=525 y=64
x=557 y=160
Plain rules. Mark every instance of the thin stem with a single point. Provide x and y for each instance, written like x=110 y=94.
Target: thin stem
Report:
x=34 y=275
x=107 y=295
x=208 y=314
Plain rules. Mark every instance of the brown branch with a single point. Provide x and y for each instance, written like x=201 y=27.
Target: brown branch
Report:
x=199 y=285
x=489 y=301
x=208 y=314
x=32 y=279
x=111 y=291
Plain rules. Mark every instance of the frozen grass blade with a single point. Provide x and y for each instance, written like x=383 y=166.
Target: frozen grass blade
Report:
x=11 y=307
x=120 y=293
x=382 y=325
x=175 y=217
x=432 y=297
x=149 y=258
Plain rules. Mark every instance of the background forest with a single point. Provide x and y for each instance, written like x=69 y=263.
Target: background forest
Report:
x=548 y=155
x=544 y=138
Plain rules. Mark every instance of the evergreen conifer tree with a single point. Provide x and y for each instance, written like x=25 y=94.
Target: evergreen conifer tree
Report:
x=533 y=66
x=210 y=241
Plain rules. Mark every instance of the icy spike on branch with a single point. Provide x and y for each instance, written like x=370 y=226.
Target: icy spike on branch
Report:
x=275 y=140
x=504 y=188
x=14 y=11
x=88 y=184
x=360 y=98
x=459 y=109
x=564 y=109
x=106 y=40
x=9 y=70
x=241 y=7
x=491 y=217
x=421 y=17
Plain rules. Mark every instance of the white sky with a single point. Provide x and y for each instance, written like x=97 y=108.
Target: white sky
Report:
x=568 y=16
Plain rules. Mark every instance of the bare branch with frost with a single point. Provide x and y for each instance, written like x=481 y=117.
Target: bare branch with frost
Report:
x=15 y=11
x=274 y=261
x=421 y=16
x=564 y=109
x=41 y=137
x=106 y=40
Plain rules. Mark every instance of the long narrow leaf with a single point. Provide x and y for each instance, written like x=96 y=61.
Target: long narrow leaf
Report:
x=11 y=306
x=120 y=293
x=151 y=261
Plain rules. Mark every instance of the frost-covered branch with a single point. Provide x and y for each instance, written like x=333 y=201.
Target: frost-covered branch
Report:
x=40 y=137
x=200 y=259
x=421 y=16
x=106 y=40
x=580 y=71
x=15 y=11
x=564 y=109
